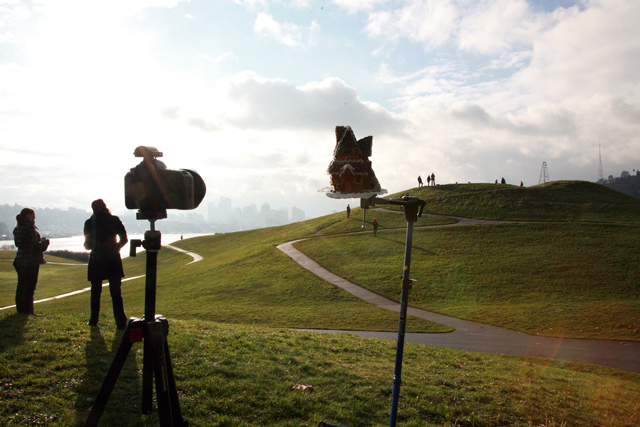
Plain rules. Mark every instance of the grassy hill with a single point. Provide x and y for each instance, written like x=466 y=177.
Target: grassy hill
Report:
x=567 y=269
x=556 y=201
x=570 y=267
x=243 y=279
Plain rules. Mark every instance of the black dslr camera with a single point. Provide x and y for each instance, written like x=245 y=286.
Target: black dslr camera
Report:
x=152 y=188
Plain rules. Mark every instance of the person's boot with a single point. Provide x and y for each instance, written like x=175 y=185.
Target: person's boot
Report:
x=31 y=309
x=21 y=305
x=95 y=309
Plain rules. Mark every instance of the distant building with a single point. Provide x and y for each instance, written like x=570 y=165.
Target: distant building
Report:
x=297 y=215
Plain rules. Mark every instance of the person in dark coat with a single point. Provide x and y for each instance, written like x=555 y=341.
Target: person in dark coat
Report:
x=28 y=258
x=375 y=227
x=419 y=181
x=101 y=233
x=348 y=211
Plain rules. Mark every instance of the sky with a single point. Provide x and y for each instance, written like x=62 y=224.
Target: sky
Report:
x=248 y=94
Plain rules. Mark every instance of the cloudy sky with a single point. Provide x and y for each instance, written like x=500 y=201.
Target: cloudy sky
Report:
x=248 y=93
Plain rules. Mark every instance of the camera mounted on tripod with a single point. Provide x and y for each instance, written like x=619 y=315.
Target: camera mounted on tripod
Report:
x=152 y=188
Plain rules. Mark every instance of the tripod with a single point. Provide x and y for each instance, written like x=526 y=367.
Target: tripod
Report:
x=412 y=207
x=153 y=330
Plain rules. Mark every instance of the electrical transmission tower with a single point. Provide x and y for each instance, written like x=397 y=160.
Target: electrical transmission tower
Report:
x=544 y=174
x=600 y=174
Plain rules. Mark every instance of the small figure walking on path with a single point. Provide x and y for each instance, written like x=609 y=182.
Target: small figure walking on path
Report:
x=419 y=181
x=348 y=211
x=433 y=179
x=375 y=227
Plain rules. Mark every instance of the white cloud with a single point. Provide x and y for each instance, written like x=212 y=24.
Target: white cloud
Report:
x=498 y=25
x=430 y=22
x=254 y=102
x=286 y=33
x=353 y=6
x=564 y=81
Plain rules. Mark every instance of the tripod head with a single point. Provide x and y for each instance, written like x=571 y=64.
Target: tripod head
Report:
x=412 y=205
x=152 y=244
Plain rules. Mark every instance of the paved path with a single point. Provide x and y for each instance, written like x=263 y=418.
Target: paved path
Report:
x=193 y=255
x=479 y=337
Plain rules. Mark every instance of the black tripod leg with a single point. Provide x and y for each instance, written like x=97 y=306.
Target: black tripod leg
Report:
x=156 y=339
x=112 y=376
x=147 y=377
x=178 y=420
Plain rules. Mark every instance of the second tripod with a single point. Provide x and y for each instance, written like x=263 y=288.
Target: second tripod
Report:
x=153 y=330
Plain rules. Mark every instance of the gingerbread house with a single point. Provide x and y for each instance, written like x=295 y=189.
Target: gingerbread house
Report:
x=350 y=169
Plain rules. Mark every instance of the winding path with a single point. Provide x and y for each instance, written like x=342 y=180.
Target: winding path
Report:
x=468 y=335
x=477 y=336
x=193 y=255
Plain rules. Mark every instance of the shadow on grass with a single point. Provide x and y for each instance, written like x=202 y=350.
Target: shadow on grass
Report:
x=12 y=330
x=124 y=404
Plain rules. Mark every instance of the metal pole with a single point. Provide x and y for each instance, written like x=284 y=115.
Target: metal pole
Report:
x=406 y=286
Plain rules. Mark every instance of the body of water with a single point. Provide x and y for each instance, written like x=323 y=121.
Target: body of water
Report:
x=76 y=243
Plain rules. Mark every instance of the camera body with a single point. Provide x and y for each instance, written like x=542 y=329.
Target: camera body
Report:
x=152 y=188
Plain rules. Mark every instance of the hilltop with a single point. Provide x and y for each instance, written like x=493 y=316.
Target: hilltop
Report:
x=556 y=201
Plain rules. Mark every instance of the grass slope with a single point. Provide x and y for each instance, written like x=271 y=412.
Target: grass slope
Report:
x=228 y=374
x=243 y=279
x=51 y=369
x=556 y=201
x=569 y=269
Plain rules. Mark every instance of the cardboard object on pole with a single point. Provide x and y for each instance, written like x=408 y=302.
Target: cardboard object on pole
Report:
x=350 y=170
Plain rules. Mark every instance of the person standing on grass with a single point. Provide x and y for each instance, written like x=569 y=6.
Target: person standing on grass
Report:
x=28 y=259
x=419 y=181
x=375 y=227
x=100 y=236
x=348 y=211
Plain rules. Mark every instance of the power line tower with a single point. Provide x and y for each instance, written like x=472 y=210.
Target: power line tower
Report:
x=544 y=175
x=600 y=173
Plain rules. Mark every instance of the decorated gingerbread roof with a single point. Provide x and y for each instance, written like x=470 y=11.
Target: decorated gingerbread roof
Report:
x=350 y=169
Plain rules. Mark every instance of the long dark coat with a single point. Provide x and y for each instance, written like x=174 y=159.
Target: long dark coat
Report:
x=100 y=233
x=30 y=245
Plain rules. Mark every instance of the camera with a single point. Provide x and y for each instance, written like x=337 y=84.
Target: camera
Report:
x=152 y=188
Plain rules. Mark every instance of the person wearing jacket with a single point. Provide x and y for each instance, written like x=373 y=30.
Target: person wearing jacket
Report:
x=105 y=235
x=28 y=259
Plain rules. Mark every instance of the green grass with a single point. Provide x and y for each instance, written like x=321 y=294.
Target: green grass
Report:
x=579 y=280
x=557 y=201
x=243 y=279
x=51 y=368
x=572 y=267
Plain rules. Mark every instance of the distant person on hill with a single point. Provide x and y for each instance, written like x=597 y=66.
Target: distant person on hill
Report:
x=520 y=183
x=100 y=236
x=419 y=181
x=428 y=180
x=503 y=181
x=28 y=258
x=375 y=227
x=433 y=179
x=348 y=211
